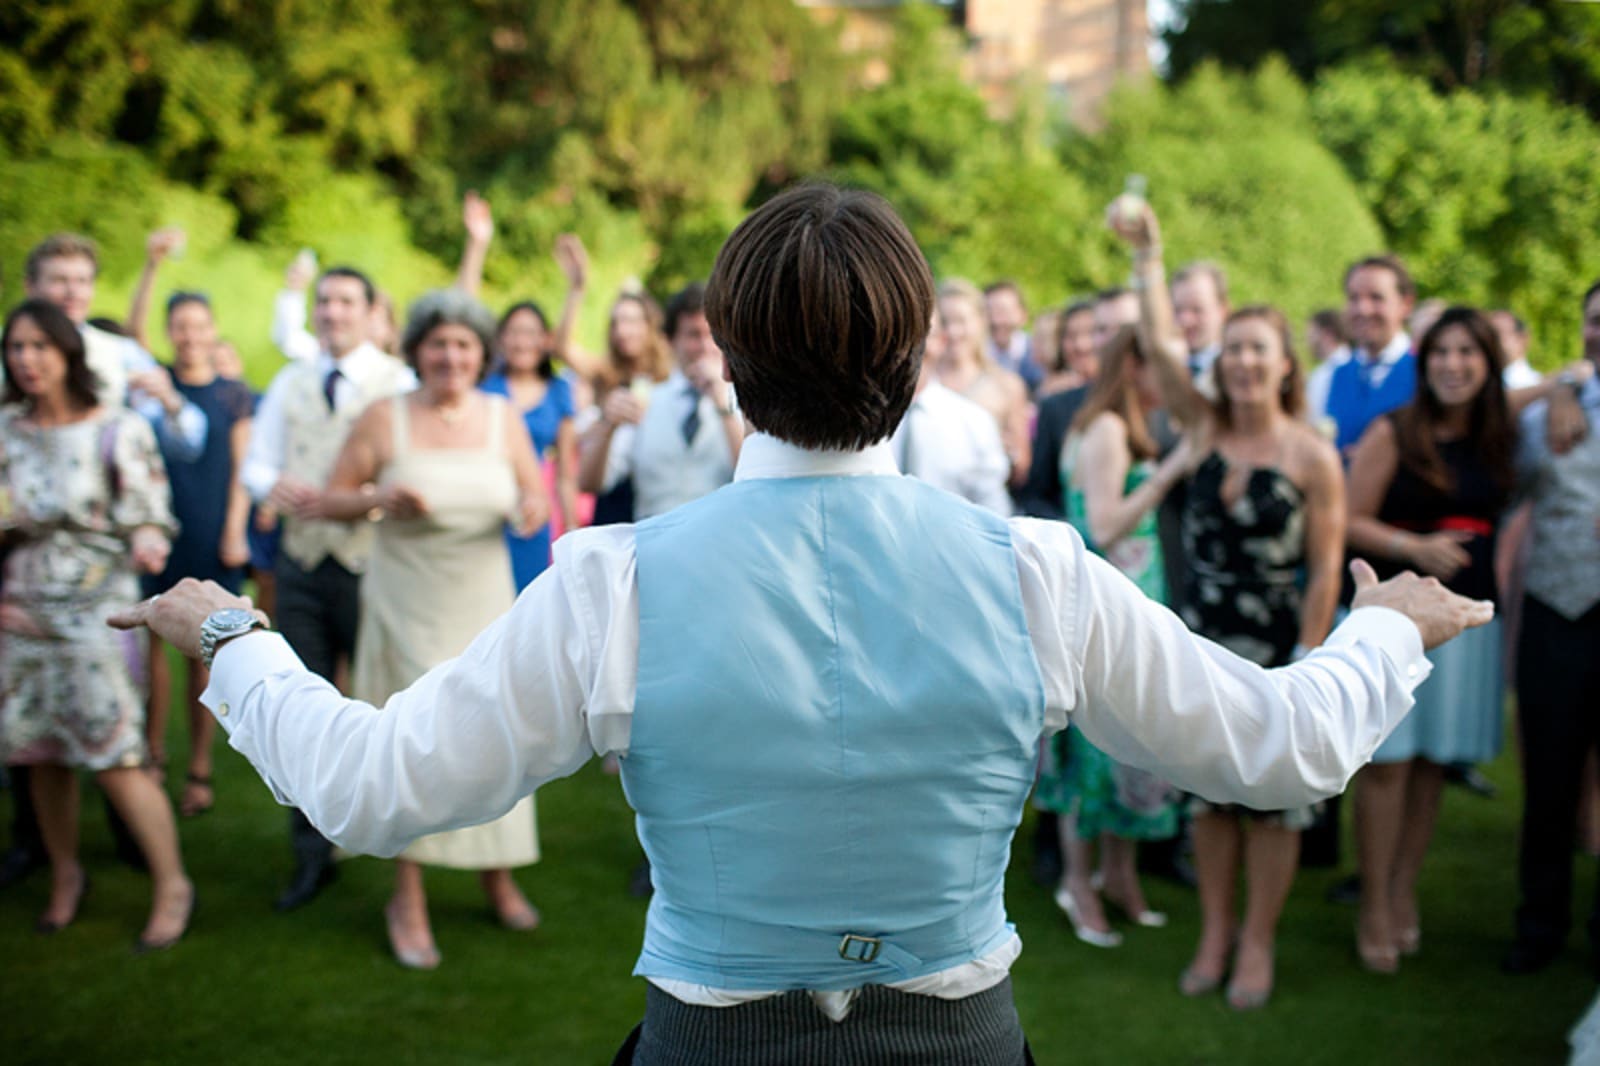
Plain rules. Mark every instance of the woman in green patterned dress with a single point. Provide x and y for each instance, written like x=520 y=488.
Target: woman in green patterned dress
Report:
x=1113 y=485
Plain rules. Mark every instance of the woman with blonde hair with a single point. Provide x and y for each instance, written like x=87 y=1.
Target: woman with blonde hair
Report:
x=968 y=369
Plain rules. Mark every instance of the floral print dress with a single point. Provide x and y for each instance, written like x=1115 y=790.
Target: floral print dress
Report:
x=71 y=691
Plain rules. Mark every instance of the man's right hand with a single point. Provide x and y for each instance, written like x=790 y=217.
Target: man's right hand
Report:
x=1440 y=615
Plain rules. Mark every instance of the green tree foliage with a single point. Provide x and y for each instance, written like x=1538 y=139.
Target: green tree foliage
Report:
x=651 y=126
x=1543 y=47
x=925 y=141
x=1491 y=198
x=1237 y=175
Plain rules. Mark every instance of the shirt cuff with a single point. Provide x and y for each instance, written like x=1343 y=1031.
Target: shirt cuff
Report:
x=240 y=666
x=1392 y=633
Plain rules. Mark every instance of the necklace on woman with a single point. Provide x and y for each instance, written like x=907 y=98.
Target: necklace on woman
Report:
x=451 y=416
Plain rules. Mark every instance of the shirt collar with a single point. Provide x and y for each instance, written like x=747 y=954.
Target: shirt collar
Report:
x=353 y=363
x=1397 y=347
x=764 y=456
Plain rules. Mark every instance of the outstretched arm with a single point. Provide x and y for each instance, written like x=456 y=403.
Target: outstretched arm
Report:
x=1150 y=693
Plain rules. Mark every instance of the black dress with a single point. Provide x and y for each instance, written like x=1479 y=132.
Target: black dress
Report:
x=1242 y=588
x=1243 y=582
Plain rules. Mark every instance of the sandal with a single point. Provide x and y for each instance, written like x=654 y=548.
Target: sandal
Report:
x=193 y=805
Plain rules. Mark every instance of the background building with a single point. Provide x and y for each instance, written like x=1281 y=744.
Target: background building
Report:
x=1079 y=49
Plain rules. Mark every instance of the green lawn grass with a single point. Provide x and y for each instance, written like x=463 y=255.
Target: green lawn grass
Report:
x=318 y=986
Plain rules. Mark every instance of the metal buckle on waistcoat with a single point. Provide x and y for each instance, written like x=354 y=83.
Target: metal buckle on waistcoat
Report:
x=859 y=948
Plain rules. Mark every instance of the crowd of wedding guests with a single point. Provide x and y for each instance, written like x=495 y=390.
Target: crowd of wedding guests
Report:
x=404 y=477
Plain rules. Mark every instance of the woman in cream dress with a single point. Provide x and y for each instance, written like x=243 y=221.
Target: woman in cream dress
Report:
x=441 y=470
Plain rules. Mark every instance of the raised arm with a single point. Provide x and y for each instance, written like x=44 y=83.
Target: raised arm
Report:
x=1135 y=222
x=157 y=247
x=478 y=221
x=573 y=260
x=1101 y=473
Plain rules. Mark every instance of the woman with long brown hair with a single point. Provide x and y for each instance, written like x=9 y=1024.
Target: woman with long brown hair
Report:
x=1113 y=484
x=1428 y=484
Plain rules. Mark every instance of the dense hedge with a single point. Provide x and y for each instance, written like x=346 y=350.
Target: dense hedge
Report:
x=354 y=128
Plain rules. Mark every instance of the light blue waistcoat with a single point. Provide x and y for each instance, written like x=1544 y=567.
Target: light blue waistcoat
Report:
x=838 y=714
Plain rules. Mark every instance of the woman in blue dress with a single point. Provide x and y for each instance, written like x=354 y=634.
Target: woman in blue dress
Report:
x=212 y=511
x=527 y=377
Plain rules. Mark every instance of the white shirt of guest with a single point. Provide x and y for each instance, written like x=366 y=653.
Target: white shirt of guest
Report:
x=263 y=460
x=289 y=333
x=667 y=470
x=953 y=444
x=552 y=683
x=1520 y=375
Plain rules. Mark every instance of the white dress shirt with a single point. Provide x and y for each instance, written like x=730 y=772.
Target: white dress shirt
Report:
x=263 y=460
x=1320 y=380
x=289 y=331
x=552 y=683
x=1520 y=375
x=953 y=444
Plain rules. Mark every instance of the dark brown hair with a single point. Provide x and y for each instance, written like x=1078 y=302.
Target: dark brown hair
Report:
x=1402 y=277
x=1115 y=391
x=1292 y=393
x=820 y=301
x=1331 y=322
x=82 y=385
x=1491 y=431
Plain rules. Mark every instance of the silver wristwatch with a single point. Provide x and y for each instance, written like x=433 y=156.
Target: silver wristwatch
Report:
x=224 y=625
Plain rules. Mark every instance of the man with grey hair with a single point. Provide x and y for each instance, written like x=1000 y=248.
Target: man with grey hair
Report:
x=298 y=431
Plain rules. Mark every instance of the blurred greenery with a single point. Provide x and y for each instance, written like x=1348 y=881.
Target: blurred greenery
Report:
x=649 y=127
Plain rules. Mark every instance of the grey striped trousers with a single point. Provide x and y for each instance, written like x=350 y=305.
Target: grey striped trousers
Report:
x=884 y=1028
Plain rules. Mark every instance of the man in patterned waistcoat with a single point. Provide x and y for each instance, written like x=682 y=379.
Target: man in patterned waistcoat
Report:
x=298 y=431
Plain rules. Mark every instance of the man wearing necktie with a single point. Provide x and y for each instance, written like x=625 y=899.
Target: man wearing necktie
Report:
x=298 y=430
x=688 y=441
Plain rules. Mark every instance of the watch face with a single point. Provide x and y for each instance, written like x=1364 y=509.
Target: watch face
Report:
x=231 y=618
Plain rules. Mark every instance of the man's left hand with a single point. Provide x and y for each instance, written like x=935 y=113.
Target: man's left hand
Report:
x=175 y=615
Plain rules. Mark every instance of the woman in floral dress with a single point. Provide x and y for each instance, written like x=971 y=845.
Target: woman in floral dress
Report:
x=83 y=506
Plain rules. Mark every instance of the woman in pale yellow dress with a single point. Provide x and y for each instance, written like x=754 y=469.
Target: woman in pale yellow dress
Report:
x=441 y=470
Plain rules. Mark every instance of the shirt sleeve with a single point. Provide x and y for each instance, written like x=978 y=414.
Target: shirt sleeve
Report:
x=524 y=704
x=263 y=459
x=1152 y=694
x=289 y=327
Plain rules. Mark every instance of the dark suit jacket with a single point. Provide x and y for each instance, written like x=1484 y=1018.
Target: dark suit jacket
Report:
x=1041 y=495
